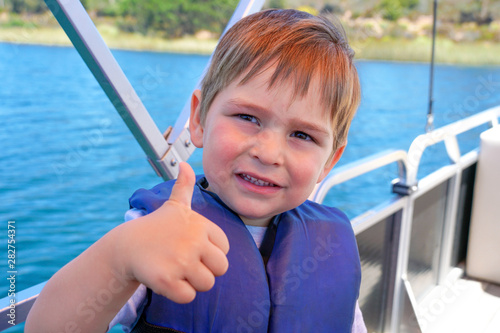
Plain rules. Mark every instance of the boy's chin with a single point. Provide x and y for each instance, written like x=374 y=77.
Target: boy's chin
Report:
x=258 y=221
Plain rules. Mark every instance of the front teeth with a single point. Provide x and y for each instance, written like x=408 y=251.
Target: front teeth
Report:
x=256 y=181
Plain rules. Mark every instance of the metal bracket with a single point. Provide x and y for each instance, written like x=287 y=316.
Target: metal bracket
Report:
x=164 y=152
x=402 y=188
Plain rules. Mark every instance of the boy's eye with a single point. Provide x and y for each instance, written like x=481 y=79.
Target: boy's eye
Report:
x=248 y=118
x=302 y=136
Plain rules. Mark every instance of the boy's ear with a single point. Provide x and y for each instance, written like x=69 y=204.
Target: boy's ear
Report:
x=331 y=163
x=195 y=126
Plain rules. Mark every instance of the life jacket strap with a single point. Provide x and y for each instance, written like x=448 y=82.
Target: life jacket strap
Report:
x=143 y=326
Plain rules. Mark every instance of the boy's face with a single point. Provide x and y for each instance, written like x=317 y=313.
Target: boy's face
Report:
x=263 y=149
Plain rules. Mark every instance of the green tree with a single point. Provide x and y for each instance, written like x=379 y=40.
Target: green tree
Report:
x=25 y=6
x=276 y=4
x=175 y=18
x=394 y=9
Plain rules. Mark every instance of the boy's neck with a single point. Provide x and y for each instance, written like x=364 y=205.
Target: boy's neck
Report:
x=261 y=222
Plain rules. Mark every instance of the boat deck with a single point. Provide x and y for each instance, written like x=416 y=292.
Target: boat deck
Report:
x=465 y=306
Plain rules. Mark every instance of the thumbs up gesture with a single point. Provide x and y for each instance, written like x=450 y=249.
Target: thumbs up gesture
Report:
x=174 y=250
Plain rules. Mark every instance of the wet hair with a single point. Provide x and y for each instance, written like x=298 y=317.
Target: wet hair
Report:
x=303 y=48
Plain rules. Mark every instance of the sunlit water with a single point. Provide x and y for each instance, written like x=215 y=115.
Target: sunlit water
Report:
x=69 y=164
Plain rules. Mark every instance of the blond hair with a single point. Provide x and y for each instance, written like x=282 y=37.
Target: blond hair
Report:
x=303 y=47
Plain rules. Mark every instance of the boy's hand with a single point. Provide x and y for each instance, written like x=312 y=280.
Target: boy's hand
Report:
x=174 y=250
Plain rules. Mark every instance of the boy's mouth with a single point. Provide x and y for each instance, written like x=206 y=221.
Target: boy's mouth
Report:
x=256 y=181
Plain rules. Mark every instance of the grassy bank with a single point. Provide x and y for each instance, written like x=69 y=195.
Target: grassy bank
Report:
x=112 y=36
x=418 y=49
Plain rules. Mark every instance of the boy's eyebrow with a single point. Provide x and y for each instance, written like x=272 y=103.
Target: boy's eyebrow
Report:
x=235 y=102
x=300 y=122
x=312 y=127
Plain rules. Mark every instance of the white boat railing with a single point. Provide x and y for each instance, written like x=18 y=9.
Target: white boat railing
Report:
x=13 y=314
x=409 y=245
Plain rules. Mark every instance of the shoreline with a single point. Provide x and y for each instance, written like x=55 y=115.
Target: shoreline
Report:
x=114 y=39
x=386 y=49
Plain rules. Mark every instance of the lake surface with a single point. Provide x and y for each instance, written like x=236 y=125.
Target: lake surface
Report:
x=69 y=163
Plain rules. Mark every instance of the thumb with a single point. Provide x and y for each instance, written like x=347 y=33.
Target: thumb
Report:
x=182 y=192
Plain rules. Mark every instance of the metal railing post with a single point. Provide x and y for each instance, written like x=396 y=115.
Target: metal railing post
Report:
x=163 y=153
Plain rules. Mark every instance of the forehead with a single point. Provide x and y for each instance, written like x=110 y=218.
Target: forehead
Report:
x=284 y=89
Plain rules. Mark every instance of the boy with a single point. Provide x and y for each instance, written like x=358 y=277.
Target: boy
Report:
x=272 y=118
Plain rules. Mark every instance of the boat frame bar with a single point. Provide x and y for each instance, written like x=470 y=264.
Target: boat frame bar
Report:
x=163 y=151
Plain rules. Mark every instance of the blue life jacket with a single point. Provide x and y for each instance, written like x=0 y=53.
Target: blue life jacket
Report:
x=310 y=283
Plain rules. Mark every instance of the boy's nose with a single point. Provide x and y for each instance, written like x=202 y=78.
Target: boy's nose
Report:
x=268 y=148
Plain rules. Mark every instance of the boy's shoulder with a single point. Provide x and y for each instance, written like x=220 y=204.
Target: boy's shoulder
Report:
x=310 y=211
x=313 y=211
x=152 y=199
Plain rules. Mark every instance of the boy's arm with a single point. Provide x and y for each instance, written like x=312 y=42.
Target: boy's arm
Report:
x=84 y=295
x=174 y=251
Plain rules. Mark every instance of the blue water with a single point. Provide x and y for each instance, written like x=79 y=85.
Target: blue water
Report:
x=69 y=163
